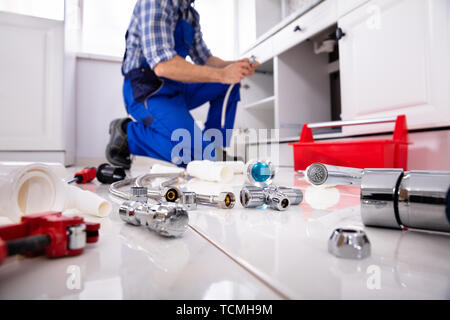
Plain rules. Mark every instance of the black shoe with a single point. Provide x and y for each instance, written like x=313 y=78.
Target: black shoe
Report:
x=117 y=151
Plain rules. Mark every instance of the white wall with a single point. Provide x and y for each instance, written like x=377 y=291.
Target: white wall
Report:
x=104 y=25
x=49 y=9
x=98 y=101
x=218 y=26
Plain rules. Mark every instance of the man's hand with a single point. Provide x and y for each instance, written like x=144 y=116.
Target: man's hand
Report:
x=252 y=67
x=236 y=72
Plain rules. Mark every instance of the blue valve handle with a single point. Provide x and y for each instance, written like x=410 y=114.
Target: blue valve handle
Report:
x=261 y=172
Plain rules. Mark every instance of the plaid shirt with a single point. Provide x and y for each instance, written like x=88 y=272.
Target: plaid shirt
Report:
x=151 y=33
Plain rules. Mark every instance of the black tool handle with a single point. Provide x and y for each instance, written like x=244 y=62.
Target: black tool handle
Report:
x=27 y=245
x=108 y=174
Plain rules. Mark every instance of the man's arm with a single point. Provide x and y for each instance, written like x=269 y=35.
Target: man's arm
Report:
x=217 y=62
x=214 y=70
x=179 y=69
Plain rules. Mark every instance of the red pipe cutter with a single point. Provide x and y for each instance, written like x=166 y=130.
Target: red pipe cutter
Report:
x=48 y=233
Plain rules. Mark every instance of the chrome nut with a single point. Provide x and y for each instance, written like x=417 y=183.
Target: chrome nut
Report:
x=252 y=197
x=139 y=194
x=295 y=195
x=278 y=201
x=349 y=244
x=188 y=200
x=171 y=194
x=168 y=221
x=129 y=211
x=226 y=200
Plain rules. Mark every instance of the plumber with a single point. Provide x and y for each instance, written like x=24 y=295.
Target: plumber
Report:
x=161 y=86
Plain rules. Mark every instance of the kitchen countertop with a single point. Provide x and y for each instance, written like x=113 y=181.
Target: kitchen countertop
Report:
x=241 y=254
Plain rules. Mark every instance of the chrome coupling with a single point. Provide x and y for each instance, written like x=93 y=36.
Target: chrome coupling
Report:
x=295 y=195
x=394 y=198
x=349 y=244
x=167 y=194
x=225 y=200
x=252 y=197
x=190 y=200
x=278 y=198
x=139 y=194
x=166 y=220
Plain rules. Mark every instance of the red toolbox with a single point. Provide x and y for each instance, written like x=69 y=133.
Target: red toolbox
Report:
x=356 y=153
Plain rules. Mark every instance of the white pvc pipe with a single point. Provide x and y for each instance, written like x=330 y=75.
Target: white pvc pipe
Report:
x=210 y=171
x=27 y=188
x=86 y=202
x=236 y=166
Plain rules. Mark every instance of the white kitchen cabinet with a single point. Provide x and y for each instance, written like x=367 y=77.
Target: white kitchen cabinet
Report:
x=37 y=116
x=255 y=17
x=345 y=6
x=394 y=59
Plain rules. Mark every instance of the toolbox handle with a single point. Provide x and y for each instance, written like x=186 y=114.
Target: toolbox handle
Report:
x=400 y=132
x=336 y=124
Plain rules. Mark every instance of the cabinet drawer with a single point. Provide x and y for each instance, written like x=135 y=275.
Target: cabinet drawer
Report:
x=263 y=52
x=316 y=20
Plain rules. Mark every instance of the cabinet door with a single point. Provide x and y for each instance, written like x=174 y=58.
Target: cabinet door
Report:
x=395 y=60
x=31 y=83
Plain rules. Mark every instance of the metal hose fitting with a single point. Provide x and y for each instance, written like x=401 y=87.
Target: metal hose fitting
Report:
x=278 y=198
x=225 y=200
x=166 y=220
x=295 y=195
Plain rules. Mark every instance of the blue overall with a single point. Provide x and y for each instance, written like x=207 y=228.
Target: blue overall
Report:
x=167 y=110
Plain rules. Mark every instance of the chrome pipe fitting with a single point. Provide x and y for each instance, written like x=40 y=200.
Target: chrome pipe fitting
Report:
x=349 y=244
x=252 y=197
x=394 y=198
x=295 y=195
x=378 y=198
x=167 y=194
x=166 y=220
x=139 y=194
x=189 y=200
x=423 y=200
x=225 y=200
x=277 y=198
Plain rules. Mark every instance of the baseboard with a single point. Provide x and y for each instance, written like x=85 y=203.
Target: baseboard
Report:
x=36 y=156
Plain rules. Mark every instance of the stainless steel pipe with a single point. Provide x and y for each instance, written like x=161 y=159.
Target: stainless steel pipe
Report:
x=393 y=198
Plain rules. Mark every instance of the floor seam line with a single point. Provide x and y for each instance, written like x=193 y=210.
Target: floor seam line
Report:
x=254 y=274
